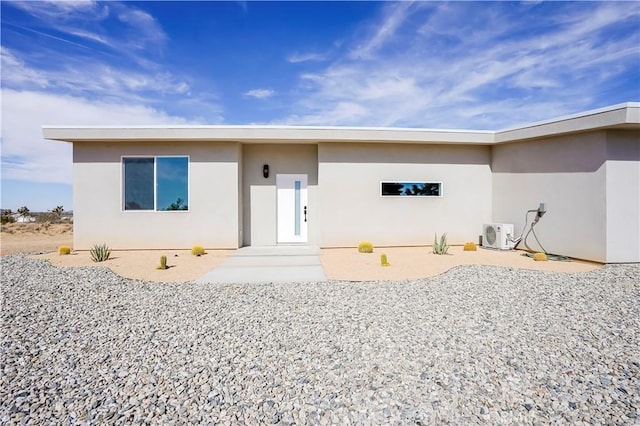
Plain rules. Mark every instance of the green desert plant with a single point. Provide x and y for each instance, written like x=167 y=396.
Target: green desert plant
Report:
x=7 y=216
x=365 y=247
x=63 y=250
x=57 y=212
x=100 y=252
x=197 y=250
x=383 y=260
x=440 y=246
x=163 y=263
x=470 y=246
x=24 y=211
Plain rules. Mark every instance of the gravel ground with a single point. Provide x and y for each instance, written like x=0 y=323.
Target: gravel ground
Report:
x=474 y=345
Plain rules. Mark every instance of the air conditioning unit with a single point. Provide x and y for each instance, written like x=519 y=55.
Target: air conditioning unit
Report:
x=495 y=236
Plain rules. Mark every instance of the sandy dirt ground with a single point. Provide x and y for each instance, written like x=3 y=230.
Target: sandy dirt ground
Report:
x=138 y=264
x=141 y=264
x=34 y=237
x=339 y=264
x=419 y=262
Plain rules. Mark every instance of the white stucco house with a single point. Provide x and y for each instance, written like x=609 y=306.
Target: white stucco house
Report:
x=150 y=187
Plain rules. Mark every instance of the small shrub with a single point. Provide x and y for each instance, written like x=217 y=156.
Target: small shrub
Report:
x=365 y=247
x=100 y=252
x=45 y=218
x=197 y=250
x=383 y=260
x=440 y=246
x=63 y=250
x=163 y=263
x=7 y=218
x=540 y=257
x=470 y=246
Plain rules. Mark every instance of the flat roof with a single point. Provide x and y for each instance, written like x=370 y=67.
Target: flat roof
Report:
x=621 y=116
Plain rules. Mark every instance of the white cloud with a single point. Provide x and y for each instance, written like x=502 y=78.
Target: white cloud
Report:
x=296 y=57
x=59 y=10
x=81 y=19
x=395 y=15
x=78 y=78
x=466 y=66
x=259 y=93
x=145 y=26
x=16 y=73
x=341 y=113
x=90 y=36
x=116 y=64
x=27 y=156
x=92 y=21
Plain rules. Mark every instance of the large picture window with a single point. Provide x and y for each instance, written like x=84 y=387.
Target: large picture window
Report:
x=411 y=189
x=155 y=183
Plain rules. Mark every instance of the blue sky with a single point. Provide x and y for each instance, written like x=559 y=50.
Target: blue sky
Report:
x=467 y=65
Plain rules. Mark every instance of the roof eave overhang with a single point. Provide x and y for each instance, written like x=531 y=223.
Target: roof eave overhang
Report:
x=622 y=116
x=266 y=134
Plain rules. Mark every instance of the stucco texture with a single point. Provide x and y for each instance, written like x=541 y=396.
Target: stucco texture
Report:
x=353 y=210
x=212 y=218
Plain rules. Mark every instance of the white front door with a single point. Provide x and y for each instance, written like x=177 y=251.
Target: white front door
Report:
x=292 y=208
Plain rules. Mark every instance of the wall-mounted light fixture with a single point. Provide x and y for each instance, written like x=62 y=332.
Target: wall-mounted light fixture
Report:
x=265 y=171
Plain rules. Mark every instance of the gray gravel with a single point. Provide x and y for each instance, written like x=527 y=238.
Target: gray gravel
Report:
x=475 y=345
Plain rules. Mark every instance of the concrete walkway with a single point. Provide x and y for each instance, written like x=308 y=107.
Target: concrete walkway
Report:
x=274 y=264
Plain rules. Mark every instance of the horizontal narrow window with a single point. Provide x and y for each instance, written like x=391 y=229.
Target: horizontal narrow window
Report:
x=156 y=183
x=411 y=189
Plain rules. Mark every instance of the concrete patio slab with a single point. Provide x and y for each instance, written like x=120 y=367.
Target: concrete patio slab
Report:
x=275 y=264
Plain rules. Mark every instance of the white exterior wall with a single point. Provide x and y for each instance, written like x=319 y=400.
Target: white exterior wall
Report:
x=623 y=196
x=568 y=173
x=212 y=219
x=352 y=210
x=259 y=194
x=586 y=167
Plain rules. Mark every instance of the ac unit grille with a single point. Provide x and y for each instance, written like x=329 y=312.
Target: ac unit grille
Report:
x=490 y=235
x=496 y=236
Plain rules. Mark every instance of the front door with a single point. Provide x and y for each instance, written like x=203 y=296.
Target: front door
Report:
x=292 y=208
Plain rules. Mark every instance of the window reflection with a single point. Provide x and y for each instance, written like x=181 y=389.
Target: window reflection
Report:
x=160 y=183
x=412 y=189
